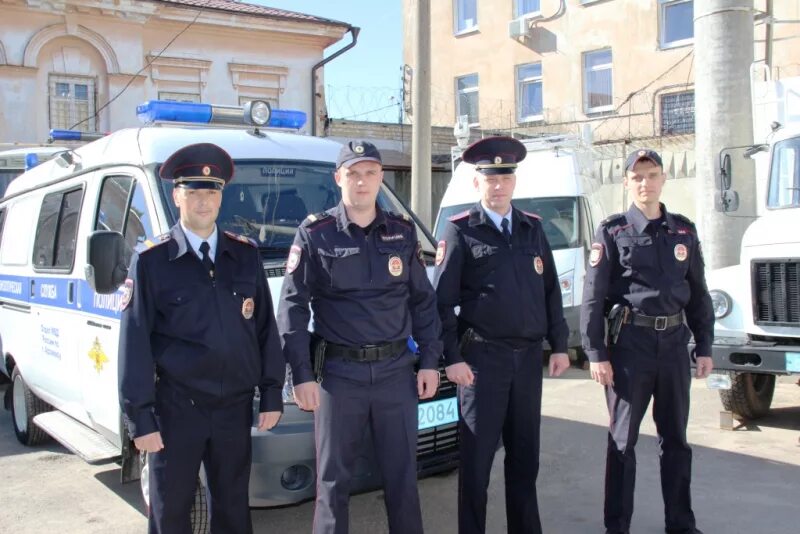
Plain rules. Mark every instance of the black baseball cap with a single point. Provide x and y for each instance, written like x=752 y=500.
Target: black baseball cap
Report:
x=645 y=153
x=357 y=151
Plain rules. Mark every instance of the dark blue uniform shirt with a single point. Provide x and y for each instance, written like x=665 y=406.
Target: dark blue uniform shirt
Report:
x=508 y=293
x=193 y=332
x=363 y=289
x=655 y=267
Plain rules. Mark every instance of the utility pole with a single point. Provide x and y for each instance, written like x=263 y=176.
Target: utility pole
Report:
x=723 y=48
x=421 y=104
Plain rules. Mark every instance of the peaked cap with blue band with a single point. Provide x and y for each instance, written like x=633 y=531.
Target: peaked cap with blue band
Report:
x=198 y=166
x=495 y=155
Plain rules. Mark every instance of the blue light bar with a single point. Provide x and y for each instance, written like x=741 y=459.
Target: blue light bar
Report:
x=74 y=135
x=167 y=111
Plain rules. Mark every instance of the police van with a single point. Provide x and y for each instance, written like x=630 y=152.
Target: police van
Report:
x=16 y=161
x=68 y=228
x=555 y=182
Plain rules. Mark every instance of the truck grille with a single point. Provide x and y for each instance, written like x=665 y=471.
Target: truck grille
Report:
x=776 y=292
x=439 y=445
x=275 y=272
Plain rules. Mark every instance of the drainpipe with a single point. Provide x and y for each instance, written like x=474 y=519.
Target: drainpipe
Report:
x=354 y=32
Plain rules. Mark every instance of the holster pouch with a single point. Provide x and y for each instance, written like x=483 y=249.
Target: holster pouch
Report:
x=616 y=318
x=466 y=339
x=318 y=345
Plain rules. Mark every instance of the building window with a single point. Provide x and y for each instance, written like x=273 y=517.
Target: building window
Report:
x=529 y=92
x=179 y=97
x=72 y=103
x=597 y=81
x=677 y=113
x=676 y=22
x=526 y=7
x=467 y=97
x=465 y=13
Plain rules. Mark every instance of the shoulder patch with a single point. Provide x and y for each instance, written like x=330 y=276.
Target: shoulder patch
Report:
x=458 y=216
x=532 y=215
x=241 y=239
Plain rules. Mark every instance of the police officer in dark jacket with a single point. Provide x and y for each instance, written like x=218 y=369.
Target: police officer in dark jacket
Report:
x=494 y=262
x=361 y=270
x=646 y=273
x=198 y=336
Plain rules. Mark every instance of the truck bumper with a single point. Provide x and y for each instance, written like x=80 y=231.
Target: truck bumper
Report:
x=743 y=355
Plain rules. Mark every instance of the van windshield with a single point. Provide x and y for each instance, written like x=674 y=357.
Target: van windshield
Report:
x=559 y=218
x=267 y=201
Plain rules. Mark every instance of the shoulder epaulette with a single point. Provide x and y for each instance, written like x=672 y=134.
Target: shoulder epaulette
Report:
x=532 y=215
x=458 y=216
x=617 y=218
x=684 y=219
x=402 y=217
x=241 y=239
x=156 y=242
x=315 y=218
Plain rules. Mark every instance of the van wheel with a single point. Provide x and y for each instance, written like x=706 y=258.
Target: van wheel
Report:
x=750 y=395
x=24 y=407
x=199 y=512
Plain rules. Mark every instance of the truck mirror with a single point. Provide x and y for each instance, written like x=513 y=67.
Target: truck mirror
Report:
x=726 y=201
x=106 y=267
x=724 y=181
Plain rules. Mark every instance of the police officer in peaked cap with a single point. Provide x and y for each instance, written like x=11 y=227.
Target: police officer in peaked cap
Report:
x=646 y=279
x=494 y=262
x=198 y=335
x=361 y=270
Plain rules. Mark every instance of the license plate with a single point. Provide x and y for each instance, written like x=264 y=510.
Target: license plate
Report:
x=793 y=362
x=441 y=412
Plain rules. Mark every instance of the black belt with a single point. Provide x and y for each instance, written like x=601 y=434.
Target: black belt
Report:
x=660 y=323
x=367 y=353
x=518 y=344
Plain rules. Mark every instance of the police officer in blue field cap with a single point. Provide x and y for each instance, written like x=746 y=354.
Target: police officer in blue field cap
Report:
x=494 y=262
x=646 y=279
x=198 y=335
x=361 y=270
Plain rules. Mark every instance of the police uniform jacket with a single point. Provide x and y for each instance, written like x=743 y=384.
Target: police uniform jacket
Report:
x=194 y=333
x=656 y=268
x=506 y=293
x=363 y=289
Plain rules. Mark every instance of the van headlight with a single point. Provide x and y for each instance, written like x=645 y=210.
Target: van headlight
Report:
x=288 y=387
x=565 y=281
x=721 y=302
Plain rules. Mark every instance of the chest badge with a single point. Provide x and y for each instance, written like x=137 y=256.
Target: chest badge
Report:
x=681 y=252
x=596 y=255
x=248 y=307
x=538 y=265
x=440 y=250
x=395 y=266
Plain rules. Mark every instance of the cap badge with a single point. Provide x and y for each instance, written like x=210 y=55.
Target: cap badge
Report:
x=498 y=160
x=358 y=149
x=294 y=259
x=642 y=153
x=440 y=250
x=206 y=170
x=538 y=265
x=596 y=255
x=248 y=307
x=395 y=266
x=681 y=252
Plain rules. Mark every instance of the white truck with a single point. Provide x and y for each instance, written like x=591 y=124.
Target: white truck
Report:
x=757 y=302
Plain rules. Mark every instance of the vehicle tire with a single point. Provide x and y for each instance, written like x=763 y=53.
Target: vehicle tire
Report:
x=199 y=512
x=24 y=407
x=750 y=395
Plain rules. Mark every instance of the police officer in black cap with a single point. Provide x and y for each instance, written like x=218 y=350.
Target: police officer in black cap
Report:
x=198 y=336
x=646 y=274
x=494 y=262
x=361 y=270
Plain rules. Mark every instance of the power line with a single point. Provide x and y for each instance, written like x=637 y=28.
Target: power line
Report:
x=104 y=106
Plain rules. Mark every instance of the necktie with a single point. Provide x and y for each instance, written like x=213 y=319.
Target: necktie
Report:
x=506 y=232
x=208 y=265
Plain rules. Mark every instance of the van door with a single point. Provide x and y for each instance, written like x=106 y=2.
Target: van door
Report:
x=53 y=298
x=122 y=207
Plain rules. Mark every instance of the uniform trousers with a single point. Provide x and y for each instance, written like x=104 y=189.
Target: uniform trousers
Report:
x=504 y=400
x=356 y=398
x=648 y=363
x=219 y=438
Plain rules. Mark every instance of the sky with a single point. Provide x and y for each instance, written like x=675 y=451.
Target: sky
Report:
x=363 y=83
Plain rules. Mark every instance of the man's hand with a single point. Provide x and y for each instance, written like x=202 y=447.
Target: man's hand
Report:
x=267 y=420
x=427 y=383
x=703 y=366
x=460 y=373
x=149 y=442
x=559 y=362
x=602 y=373
x=306 y=395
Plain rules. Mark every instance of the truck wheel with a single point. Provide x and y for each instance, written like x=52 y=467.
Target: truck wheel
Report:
x=199 y=512
x=24 y=407
x=750 y=395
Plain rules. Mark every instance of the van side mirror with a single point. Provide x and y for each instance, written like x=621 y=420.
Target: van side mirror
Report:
x=724 y=179
x=106 y=267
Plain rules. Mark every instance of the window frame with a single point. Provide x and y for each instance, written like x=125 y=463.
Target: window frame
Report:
x=456 y=16
x=519 y=86
x=475 y=89
x=663 y=6
x=57 y=233
x=89 y=124
x=518 y=14
x=585 y=70
x=772 y=202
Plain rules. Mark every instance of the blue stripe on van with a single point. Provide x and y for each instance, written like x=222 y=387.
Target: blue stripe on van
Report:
x=54 y=292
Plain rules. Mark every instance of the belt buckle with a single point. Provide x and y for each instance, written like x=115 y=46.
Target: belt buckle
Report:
x=661 y=323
